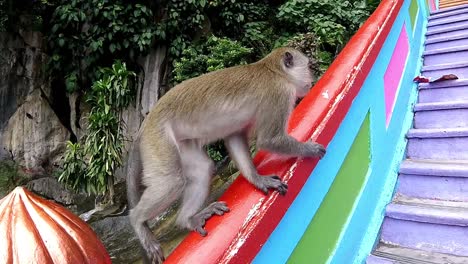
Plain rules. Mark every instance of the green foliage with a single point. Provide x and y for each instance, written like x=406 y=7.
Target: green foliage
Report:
x=74 y=167
x=88 y=34
x=10 y=177
x=332 y=21
x=104 y=144
x=214 y=54
x=216 y=151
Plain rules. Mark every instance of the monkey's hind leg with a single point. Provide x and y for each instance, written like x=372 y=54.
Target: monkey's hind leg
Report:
x=164 y=187
x=197 y=167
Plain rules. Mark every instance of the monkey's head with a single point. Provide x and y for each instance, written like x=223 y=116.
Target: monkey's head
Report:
x=298 y=67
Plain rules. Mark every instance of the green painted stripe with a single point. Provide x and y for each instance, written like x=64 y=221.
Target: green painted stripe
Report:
x=413 y=10
x=322 y=235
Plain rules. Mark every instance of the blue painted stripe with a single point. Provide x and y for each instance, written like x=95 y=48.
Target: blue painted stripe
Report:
x=285 y=237
x=362 y=231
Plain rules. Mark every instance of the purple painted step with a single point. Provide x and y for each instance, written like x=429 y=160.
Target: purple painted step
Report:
x=446 y=31
x=434 y=179
x=441 y=115
x=442 y=42
x=460 y=11
x=458 y=68
x=425 y=224
x=454 y=18
x=436 y=143
x=378 y=260
x=445 y=55
x=443 y=91
x=384 y=254
x=447 y=22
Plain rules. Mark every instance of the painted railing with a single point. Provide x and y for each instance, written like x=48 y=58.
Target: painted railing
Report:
x=360 y=109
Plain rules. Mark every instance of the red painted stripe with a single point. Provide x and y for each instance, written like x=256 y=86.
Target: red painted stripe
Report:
x=237 y=236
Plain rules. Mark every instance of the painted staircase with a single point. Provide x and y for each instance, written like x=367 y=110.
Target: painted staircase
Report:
x=427 y=220
x=450 y=3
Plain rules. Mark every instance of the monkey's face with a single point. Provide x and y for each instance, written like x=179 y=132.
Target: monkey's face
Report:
x=298 y=67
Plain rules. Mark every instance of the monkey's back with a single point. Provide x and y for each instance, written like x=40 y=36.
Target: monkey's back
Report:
x=215 y=104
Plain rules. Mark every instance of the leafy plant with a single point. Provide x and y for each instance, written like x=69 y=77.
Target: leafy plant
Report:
x=216 y=53
x=86 y=34
x=104 y=144
x=74 y=167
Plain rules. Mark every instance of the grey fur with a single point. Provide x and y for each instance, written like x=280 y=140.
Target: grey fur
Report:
x=228 y=104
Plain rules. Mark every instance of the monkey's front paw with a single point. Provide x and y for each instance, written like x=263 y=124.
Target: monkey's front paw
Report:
x=197 y=222
x=272 y=182
x=316 y=150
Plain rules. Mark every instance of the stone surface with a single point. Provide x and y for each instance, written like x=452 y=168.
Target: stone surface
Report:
x=20 y=74
x=50 y=188
x=34 y=135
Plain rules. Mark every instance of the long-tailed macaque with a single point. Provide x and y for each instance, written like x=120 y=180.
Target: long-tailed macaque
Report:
x=226 y=104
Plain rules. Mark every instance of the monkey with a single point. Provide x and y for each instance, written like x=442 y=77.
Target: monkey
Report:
x=233 y=104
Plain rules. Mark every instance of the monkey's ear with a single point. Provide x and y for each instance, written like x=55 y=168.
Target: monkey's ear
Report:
x=288 y=59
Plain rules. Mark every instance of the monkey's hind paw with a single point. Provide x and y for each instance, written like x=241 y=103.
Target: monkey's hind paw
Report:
x=197 y=222
x=155 y=253
x=272 y=182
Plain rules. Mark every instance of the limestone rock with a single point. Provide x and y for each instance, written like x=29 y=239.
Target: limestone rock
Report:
x=34 y=135
x=50 y=188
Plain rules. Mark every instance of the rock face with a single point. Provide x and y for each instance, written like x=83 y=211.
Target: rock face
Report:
x=50 y=188
x=34 y=135
x=30 y=132
x=20 y=71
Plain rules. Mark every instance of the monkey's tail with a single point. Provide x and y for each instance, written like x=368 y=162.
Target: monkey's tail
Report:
x=134 y=191
x=134 y=175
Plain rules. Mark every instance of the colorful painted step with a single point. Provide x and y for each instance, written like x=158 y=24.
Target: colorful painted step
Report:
x=451 y=3
x=443 y=92
x=434 y=179
x=438 y=143
x=449 y=10
x=441 y=42
x=445 y=55
x=390 y=254
x=427 y=221
x=450 y=114
x=426 y=224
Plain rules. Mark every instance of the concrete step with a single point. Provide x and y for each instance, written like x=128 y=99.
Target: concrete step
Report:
x=442 y=42
x=446 y=31
x=425 y=224
x=448 y=11
x=390 y=254
x=434 y=179
x=459 y=68
x=441 y=115
x=441 y=14
x=445 y=55
x=443 y=91
x=438 y=143
x=450 y=21
x=462 y=16
x=453 y=3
